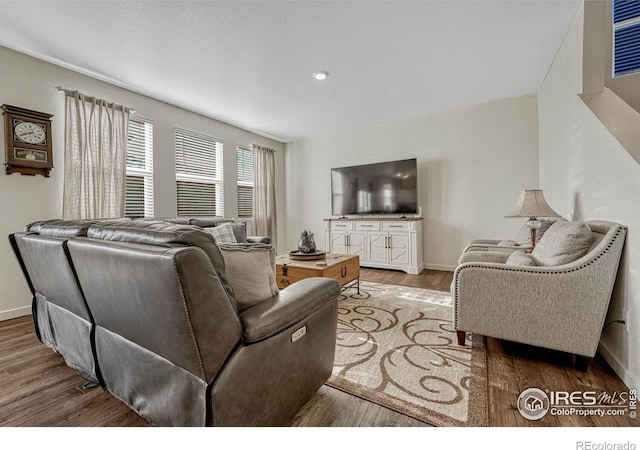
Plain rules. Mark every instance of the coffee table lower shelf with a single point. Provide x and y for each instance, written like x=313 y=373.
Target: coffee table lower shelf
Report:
x=343 y=268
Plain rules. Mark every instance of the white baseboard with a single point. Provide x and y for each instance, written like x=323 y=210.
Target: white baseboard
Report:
x=13 y=313
x=618 y=367
x=439 y=267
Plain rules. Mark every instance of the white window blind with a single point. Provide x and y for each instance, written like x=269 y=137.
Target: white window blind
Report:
x=139 y=181
x=626 y=37
x=199 y=174
x=245 y=182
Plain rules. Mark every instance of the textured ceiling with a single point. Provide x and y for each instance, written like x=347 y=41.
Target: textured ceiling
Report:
x=250 y=63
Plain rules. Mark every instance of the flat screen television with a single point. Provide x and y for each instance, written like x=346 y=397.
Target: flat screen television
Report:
x=381 y=188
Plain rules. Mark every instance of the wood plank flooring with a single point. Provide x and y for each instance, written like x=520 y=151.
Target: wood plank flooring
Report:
x=37 y=389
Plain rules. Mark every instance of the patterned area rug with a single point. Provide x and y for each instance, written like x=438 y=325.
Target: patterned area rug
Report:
x=396 y=346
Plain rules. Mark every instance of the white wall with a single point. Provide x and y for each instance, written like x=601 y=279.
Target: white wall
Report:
x=586 y=174
x=29 y=83
x=472 y=164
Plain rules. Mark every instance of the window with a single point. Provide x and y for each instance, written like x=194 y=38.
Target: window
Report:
x=245 y=182
x=626 y=37
x=139 y=183
x=199 y=174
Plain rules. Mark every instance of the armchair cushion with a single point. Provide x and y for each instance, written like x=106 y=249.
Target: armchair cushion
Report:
x=251 y=272
x=564 y=242
x=520 y=258
x=507 y=243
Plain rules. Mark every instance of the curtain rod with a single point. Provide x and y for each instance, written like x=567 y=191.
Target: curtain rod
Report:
x=263 y=148
x=72 y=93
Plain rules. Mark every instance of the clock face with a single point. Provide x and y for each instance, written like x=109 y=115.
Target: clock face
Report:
x=30 y=133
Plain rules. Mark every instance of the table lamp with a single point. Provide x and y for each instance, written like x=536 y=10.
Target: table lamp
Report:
x=532 y=204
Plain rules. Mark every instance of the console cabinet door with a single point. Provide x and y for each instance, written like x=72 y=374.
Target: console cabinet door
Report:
x=399 y=251
x=356 y=244
x=339 y=242
x=377 y=246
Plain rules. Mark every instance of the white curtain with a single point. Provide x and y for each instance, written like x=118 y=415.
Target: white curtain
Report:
x=264 y=192
x=94 y=158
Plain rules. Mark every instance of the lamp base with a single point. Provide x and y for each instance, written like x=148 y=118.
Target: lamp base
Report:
x=533 y=225
x=533 y=241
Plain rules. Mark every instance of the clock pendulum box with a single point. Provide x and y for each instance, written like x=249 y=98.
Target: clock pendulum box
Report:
x=27 y=141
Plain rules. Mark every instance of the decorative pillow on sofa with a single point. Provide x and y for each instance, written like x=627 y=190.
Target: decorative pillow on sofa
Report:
x=520 y=258
x=222 y=234
x=240 y=231
x=251 y=272
x=564 y=242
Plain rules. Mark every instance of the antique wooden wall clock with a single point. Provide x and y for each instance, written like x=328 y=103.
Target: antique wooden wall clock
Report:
x=28 y=141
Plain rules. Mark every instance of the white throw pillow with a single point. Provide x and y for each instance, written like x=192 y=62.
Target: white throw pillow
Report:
x=520 y=258
x=564 y=242
x=222 y=234
x=251 y=272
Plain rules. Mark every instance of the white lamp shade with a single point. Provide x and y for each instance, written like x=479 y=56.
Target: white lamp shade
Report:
x=532 y=204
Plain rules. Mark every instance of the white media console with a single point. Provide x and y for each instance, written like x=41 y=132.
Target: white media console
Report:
x=381 y=242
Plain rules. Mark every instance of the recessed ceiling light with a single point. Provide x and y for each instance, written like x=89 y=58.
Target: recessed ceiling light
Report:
x=320 y=75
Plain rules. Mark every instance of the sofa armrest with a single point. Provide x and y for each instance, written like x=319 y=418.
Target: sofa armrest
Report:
x=484 y=241
x=259 y=239
x=493 y=248
x=289 y=306
x=486 y=257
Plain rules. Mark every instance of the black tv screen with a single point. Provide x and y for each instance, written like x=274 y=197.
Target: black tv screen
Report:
x=382 y=188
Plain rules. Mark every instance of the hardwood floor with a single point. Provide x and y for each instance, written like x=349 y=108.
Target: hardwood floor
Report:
x=37 y=389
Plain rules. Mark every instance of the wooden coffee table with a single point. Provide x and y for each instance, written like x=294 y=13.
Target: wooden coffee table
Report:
x=343 y=268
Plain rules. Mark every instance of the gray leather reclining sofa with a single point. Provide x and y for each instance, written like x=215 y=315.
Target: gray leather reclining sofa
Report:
x=144 y=309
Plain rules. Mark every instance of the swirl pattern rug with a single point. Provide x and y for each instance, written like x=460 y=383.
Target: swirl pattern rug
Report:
x=396 y=346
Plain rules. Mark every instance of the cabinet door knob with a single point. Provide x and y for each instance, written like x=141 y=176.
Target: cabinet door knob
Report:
x=343 y=272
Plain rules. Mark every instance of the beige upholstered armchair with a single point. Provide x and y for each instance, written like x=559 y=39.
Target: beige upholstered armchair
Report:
x=555 y=298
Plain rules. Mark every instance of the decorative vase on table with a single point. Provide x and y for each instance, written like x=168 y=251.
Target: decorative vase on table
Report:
x=306 y=244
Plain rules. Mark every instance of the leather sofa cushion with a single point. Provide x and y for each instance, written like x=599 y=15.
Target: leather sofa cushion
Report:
x=251 y=272
x=163 y=234
x=61 y=228
x=239 y=228
x=204 y=222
